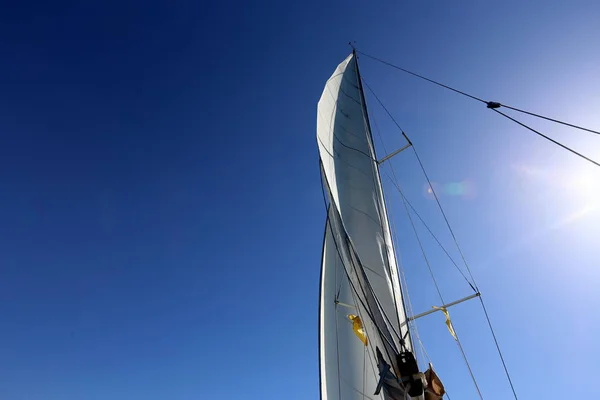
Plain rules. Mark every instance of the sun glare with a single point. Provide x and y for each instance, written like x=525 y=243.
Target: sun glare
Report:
x=587 y=186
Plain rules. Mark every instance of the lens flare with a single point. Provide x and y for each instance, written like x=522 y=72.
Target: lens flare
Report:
x=464 y=189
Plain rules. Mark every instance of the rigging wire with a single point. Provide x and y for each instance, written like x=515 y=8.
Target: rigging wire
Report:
x=474 y=286
x=437 y=287
x=396 y=184
x=404 y=287
x=413 y=323
x=470 y=274
x=550 y=139
x=495 y=105
x=490 y=104
x=431 y=232
x=487 y=317
x=437 y=200
x=422 y=77
x=552 y=119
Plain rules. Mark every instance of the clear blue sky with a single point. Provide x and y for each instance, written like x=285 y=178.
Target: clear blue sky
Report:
x=161 y=215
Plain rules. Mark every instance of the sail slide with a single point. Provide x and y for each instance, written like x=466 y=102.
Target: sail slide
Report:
x=365 y=344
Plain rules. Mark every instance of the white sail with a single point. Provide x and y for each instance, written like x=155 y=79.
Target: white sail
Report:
x=348 y=369
x=359 y=272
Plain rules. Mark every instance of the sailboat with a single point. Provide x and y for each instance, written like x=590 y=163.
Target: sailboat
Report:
x=366 y=344
x=365 y=348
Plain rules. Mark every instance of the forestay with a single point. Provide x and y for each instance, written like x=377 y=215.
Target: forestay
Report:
x=359 y=273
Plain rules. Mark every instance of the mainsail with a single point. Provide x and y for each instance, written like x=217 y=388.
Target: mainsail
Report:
x=359 y=273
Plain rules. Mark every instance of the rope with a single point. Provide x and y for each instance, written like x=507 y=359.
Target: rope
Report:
x=493 y=106
x=423 y=249
x=437 y=200
x=552 y=119
x=490 y=104
x=386 y=110
x=474 y=285
x=462 y=351
x=497 y=346
x=550 y=139
x=395 y=182
x=422 y=77
x=437 y=287
x=432 y=234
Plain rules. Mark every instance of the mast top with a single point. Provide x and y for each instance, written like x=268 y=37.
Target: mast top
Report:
x=353 y=45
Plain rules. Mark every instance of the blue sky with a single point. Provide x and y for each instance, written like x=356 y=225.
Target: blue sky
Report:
x=161 y=216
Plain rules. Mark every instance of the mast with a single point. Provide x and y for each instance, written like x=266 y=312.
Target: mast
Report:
x=387 y=227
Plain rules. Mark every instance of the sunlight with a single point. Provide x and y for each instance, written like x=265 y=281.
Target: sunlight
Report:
x=587 y=186
x=579 y=188
x=570 y=195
